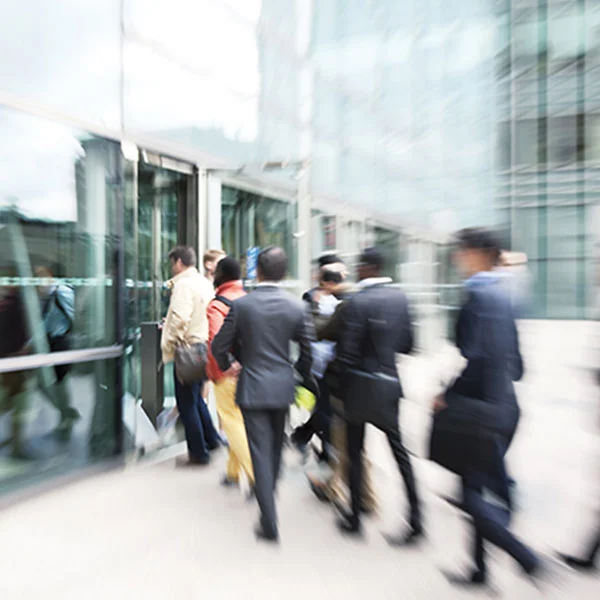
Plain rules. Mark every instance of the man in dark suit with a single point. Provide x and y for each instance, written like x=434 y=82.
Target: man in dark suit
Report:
x=263 y=324
x=487 y=338
x=376 y=327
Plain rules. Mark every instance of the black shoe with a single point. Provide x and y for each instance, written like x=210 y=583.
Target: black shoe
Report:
x=318 y=491
x=227 y=482
x=251 y=494
x=477 y=579
x=349 y=525
x=188 y=461
x=262 y=536
x=404 y=540
x=579 y=564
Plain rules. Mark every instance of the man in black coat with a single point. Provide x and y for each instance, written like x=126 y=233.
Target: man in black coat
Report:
x=263 y=324
x=377 y=327
x=485 y=397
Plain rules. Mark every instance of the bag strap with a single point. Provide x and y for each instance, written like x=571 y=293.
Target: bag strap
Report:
x=226 y=301
x=63 y=310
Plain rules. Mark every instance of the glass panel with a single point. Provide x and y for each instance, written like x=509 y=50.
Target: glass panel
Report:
x=255 y=220
x=563 y=231
x=36 y=442
x=64 y=54
x=562 y=289
x=526 y=231
x=58 y=246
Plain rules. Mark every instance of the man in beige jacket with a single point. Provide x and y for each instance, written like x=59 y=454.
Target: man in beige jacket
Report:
x=186 y=322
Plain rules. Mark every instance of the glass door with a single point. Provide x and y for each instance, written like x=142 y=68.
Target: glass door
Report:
x=160 y=205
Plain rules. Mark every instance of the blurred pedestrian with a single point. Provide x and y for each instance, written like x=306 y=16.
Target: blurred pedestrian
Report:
x=228 y=285
x=13 y=342
x=186 y=323
x=376 y=327
x=262 y=324
x=58 y=314
x=322 y=303
x=333 y=488
x=480 y=409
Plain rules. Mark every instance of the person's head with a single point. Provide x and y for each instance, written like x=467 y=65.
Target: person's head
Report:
x=332 y=276
x=330 y=258
x=182 y=258
x=210 y=260
x=272 y=264
x=44 y=271
x=371 y=264
x=477 y=250
x=227 y=269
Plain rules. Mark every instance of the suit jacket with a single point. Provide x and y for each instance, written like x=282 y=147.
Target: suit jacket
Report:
x=487 y=337
x=264 y=323
x=376 y=325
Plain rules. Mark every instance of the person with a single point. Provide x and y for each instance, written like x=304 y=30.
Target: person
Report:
x=229 y=288
x=333 y=488
x=263 y=324
x=210 y=261
x=186 y=323
x=376 y=327
x=487 y=338
x=58 y=314
x=13 y=342
x=322 y=303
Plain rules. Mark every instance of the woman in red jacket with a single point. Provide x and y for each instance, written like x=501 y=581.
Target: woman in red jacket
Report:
x=228 y=286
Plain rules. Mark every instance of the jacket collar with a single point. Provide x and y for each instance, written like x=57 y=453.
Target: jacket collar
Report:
x=482 y=279
x=189 y=272
x=230 y=286
x=371 y=281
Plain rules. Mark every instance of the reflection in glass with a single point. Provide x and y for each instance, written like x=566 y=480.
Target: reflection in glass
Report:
x=32 y=442
x=250 y=220
x=57 y=224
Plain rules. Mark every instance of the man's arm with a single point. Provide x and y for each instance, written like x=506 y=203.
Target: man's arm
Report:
x=305 y=335
x=181 y=308
x=405 y=342
x=224 y=341
x=330 y=329
x=353 y=334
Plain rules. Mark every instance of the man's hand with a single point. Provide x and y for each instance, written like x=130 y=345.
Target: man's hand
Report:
x=233 y=371
x=439 y=404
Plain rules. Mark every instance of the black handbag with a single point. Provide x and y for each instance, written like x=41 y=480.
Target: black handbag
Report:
x=371 y=396
x=468 y=433
x=190 y=363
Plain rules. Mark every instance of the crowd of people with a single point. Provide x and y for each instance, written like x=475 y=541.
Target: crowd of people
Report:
x=348 y=338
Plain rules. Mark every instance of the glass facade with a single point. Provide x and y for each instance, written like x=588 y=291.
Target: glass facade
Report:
x=546 y=158
x=128 y=126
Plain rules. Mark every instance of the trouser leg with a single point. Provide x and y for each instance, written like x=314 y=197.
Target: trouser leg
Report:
x=187 y=397
x=355 y=442
x=261 y=439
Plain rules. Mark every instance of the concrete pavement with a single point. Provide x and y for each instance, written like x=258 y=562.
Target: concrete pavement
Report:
x=161 y=532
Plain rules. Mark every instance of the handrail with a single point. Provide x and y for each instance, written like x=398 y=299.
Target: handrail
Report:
x=67 y=357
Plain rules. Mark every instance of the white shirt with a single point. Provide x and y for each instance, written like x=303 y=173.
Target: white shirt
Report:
x=371 y=281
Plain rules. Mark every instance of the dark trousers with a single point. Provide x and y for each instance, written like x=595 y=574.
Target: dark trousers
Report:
x=355 y=441
x=200 y=433
x=320 y=420
x=264 y=429
x=491 y=516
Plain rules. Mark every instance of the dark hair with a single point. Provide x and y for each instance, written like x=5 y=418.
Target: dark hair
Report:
x=328 y=259
x=272 y=263
x=186 y=253
x=479 y=238
x=331 y=276
x=373 y=257
x=227 y=269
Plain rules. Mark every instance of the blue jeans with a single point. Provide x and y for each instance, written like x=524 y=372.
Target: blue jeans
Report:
x=491 y=519
x=200 y=433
